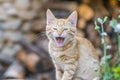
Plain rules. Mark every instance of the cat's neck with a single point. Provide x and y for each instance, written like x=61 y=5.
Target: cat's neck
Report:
x=70 y=44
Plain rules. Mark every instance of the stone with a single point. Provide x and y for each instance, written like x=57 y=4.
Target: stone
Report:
x=1 y=39
x=7 y=54
x=38 y=25
x=3 y=15
x=12 y=36
x=1 y=1
x=1 y=25
x=16 y=70
x=26 y=27
x=36 y=5
x=10 y=1
x=26 y=15
x=12 y=24
x=1 y=45
x=30 y=37
x=7 y=5
x=9 y=8
x=11 y=11
x=22 y=4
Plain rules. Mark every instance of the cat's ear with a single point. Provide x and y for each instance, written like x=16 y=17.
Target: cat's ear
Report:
x=73 y=18
x=50 y=16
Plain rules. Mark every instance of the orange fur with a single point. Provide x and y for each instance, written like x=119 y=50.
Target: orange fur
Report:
x=76 y=59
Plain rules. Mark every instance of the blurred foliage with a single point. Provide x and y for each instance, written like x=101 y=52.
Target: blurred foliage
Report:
x=108 y=72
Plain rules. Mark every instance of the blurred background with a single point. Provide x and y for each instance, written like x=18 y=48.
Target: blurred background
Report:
x=24 y=45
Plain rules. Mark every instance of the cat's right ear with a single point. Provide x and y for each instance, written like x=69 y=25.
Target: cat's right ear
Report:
x=50 y=16
x=73 y=18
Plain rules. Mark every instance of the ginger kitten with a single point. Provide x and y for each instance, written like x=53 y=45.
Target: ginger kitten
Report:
x=74 y=57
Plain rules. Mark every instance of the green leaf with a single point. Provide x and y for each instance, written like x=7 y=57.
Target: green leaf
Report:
x=96 y=69
x=97 y=27
x=116 y=69
x=105 y=18
x=113 y=23
x=100 y=20
x=118 y=16
x=116 y=75
x=102 y=41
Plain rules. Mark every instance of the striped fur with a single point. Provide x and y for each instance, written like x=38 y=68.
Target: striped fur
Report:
x=77 y=58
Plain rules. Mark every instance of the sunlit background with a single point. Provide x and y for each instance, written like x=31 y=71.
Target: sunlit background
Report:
x=24 y=45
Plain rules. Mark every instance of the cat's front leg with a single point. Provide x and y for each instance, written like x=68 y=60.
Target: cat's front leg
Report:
x=70 y=69
x=58 y=71
x=59 y=74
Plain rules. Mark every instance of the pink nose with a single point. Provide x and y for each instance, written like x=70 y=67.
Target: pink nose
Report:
x=60 y=33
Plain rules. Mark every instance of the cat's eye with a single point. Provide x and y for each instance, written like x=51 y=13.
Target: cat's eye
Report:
x=65 y=28
x=55 y=28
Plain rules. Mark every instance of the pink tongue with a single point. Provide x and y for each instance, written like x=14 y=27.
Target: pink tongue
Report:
x=60 y=41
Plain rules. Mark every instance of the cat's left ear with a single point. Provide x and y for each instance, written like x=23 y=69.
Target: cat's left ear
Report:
x=73 y=18
x=50 y=16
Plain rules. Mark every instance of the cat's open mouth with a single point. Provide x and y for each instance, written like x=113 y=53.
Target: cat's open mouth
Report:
x=60 y=41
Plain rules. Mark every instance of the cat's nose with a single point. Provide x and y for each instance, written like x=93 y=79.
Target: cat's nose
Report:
x=60 y=33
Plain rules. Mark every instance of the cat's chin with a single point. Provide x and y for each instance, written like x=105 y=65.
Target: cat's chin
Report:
x=59 y=44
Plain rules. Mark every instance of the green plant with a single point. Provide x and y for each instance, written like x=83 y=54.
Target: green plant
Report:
x=109 y=72
x=118 y=16
x=116 y=69
x=116 y=72
x=116 y=27
x=105 y=64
